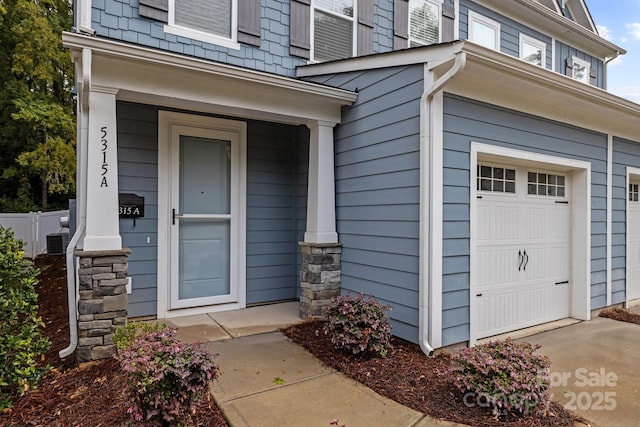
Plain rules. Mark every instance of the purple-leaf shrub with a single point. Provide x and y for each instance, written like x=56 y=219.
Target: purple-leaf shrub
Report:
x=358 y=324
x=165 y=377
x=505 y=375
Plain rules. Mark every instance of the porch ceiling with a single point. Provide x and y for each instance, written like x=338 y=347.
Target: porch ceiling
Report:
x=162 y=78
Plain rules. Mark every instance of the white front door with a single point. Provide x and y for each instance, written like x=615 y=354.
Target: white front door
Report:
x=522 y=248
x=203 y=174
x=633 y=250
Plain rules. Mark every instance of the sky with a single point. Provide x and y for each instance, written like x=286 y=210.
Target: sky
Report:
x=619 y=22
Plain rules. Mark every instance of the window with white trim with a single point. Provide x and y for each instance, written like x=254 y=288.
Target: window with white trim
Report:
x=496 y=179
x=333 y=29
x=212 y=21
x=545 y=184
x=581 y=70
x=424 y=22
x=533 y=50
x=484 y=31
x=633 y=192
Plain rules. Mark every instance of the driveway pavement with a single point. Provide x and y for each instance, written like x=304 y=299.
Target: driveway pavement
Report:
x=595 y=370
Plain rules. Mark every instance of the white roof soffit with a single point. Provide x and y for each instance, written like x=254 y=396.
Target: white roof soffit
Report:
x=552 y=23
x=434 y=55
x=503 y=80
x=163 y=78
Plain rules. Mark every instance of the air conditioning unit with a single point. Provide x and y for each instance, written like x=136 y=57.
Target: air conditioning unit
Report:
x=57 y=243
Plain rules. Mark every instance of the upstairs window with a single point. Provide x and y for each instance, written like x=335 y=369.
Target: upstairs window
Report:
x=212 y=21
x=333 y=29
x=424 y=22
x=484 y=31
x=533 y=51
x=581 y=70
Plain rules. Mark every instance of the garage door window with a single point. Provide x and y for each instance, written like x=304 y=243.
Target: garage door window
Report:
x=633 y=192
x=544 y=184
x=496 y=179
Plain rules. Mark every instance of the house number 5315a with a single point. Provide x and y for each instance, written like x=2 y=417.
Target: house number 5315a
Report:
x=103 y=151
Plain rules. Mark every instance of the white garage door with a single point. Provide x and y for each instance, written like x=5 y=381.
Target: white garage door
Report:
x=522 y=245
x=633 y=251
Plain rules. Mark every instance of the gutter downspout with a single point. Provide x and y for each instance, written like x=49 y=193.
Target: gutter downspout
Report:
x=427 y=173
x=81 y=190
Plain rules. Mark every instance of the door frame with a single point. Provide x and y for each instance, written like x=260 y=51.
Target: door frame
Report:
x=167 y=122
x=632 y=173
x=579 y=172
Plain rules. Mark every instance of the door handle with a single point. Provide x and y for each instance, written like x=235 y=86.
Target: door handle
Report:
x=520 y=260
x=526 y=257
x=173 y=216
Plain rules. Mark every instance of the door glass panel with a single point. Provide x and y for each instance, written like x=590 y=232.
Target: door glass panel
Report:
x=205 y=174
x=204 y=242
x=204 y=258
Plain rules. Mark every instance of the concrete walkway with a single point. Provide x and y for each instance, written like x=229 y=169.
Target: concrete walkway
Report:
x=267 y=380
x=595 y=370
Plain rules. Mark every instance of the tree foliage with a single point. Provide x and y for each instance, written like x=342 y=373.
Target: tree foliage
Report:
x=37 y=123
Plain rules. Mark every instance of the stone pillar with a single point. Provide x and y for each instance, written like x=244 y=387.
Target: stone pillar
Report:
x=103 y=301
x=319 y=277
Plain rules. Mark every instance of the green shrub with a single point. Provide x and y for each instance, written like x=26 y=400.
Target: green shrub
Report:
x=21 y=339
x=124 y=336
x=505 y=376
x=358 y=324
x=165 y=377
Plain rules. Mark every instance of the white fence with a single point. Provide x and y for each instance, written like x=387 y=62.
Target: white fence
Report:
x=33 y=228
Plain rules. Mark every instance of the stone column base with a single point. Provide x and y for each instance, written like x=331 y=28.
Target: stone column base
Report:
x=320 y=275
x=103 y=301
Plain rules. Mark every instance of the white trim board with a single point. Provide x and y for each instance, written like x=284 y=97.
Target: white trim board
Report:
x=580 y=270
x=631 y=172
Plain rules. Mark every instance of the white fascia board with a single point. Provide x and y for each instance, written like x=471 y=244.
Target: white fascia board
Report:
x=555 y=25
x=433 y=55
x=501 y=79
x=142 y=72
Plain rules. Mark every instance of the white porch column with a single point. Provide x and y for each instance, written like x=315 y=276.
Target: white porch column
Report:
x=321 y=197
x=102 y=231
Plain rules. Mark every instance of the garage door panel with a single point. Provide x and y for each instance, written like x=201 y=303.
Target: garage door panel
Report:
x=500 y=224
x=522 y=247
x=633 y=246
x=502 y=267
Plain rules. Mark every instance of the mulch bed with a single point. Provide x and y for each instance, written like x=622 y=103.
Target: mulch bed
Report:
x=621 y=315
x=407 y=376
x=69 y=395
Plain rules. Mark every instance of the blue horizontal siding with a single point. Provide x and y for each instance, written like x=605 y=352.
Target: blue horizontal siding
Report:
x=276 y=197
x=377 y=189
x=466 y=120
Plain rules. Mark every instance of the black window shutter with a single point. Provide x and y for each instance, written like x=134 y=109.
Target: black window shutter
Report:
x=400 y=24
x=593 y=76
x=448 y=19
x=158 y=10
x=365 y=27
x=249 y=22
x=300 y=28
x=569 y=67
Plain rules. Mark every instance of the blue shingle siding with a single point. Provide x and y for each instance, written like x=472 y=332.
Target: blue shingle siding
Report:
x=276 y=205
x=466 y=120
x=119 y=19
x=625 y=154
x=377 y=189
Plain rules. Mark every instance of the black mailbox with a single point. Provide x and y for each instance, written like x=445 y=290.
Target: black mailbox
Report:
x=131 y=205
